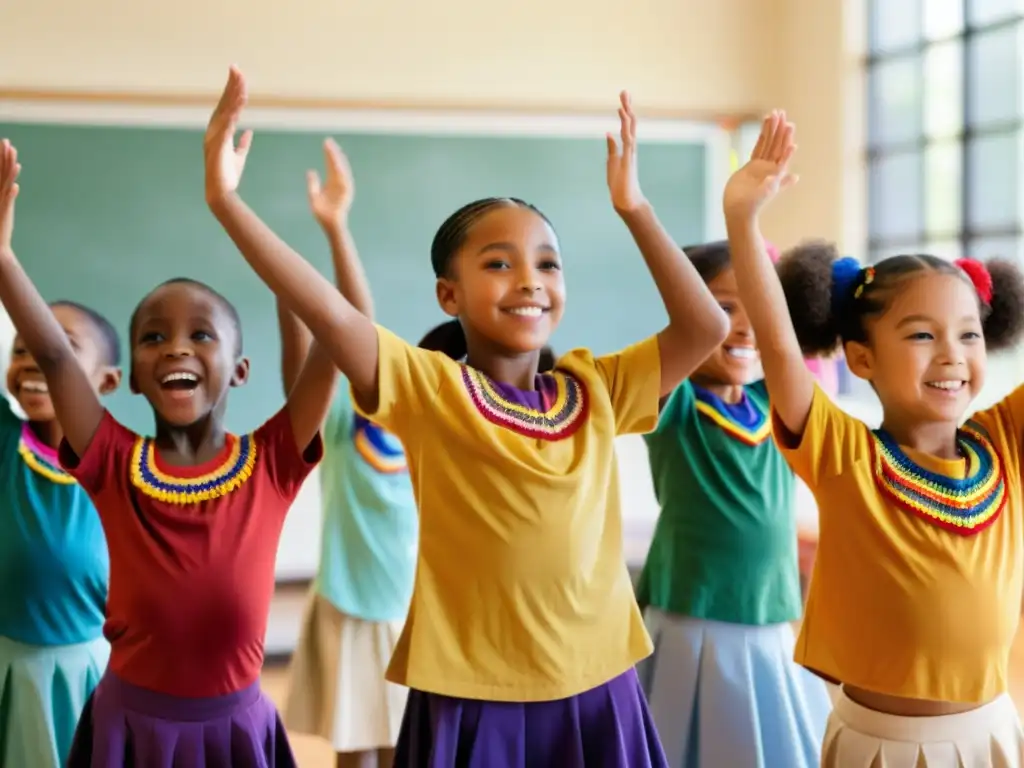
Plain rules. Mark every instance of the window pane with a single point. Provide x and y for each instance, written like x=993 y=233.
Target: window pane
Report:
x=894 y=24
x=895 y=101
x=993 y=186
x=994 y=90
x=942 y=181
x=943 y=89
x=985 y=11
x=894 y=186
x=943 y=18
x=996 y=248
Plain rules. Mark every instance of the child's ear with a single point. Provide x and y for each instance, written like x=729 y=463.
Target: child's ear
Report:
x=241 y=372
x=110 y=380
x=859 y=360
x=446 y=297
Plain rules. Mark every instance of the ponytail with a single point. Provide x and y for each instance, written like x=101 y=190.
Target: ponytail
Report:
x=448 y=338
x=1001 y=291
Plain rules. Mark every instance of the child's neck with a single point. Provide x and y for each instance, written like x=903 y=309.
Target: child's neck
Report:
x=934 y=438
x=49 y=433
x=519 y=371
x=727 y=393
x=195 y=444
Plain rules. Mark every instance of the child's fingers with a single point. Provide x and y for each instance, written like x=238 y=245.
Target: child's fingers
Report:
x=244 y=143
x=613 y=147
x=782 y=136
x=312 y=184
x=335 y=158
x=765 y=138
x=630 y=116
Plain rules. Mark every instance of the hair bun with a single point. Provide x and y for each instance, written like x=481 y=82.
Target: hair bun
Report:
x=980 y=277
x=845 y=273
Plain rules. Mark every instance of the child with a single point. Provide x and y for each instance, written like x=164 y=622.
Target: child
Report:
x=192 y=519
x=721 y=580
x=523 y=631
x=368 y=542
x=53 y=558
x=915 y=598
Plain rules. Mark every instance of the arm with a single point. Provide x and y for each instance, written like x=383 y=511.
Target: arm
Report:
x=696 y=324
x=789 y=382
x=75 y=401
x=348 y=336
x=295 y=344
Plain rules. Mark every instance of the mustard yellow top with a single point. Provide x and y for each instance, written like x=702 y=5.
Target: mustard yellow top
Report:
x=521 y=591
x=902 y=602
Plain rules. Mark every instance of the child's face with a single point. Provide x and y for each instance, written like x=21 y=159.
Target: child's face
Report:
x=926 y=353
x=184 y=354
x=735 y=362
x=25 y=380
x=507 y=286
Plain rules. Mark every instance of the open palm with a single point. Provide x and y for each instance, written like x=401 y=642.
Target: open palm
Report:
x=331 y=201
x=623 y=177
x=223 y=159
x=9 y=170
x=767 y=171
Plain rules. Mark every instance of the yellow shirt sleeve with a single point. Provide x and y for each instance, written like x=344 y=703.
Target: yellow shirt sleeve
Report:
x=408 y=379
x=1005 y=420
x=832 y=441
x=633 y=380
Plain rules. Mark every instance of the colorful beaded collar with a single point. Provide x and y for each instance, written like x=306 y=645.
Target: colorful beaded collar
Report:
x=378 y=448
x=749 y=434
x=231 y=473
x=964 y=506
x=563 y=400
x=40 y=459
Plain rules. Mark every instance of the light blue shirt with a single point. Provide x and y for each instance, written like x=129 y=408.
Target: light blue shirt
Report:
x=370 y=525
x=54 y=565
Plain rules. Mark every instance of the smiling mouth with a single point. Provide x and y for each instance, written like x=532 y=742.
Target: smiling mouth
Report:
x=949 y=385
x=180 y=383
x=34 y=388
x=741 y=353
x=525 y=311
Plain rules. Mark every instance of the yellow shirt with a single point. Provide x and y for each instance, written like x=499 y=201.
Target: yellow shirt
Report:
x=898 y=604
x=522 y=592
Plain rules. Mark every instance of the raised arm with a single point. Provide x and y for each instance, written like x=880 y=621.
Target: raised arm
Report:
x=75 y=401
x=790 y=383
x=347 y=335
x=696 y=324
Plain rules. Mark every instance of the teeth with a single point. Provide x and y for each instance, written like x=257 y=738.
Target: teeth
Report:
x=179 y=376
x=744 y=353
x=35 y=386
x=947 y=385
x=526 y=311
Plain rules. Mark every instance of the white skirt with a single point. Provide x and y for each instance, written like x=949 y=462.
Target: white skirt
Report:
x=987 y=737
x=338 y=690
x=729 y=695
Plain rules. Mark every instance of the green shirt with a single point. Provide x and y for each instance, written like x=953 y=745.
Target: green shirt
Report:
x=725 y=546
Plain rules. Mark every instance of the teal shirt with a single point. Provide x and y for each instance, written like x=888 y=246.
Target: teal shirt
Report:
x=54 y=565
x=370 y=526
x=725 y=546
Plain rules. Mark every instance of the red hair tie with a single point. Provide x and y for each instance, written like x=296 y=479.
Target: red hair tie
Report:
x=980 y=277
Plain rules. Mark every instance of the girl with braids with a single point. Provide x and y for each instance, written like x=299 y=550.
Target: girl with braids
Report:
x=721 y=584
x=915 y=598
x=523 y=632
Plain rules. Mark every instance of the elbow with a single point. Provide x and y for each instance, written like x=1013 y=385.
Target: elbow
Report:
x=712 y=328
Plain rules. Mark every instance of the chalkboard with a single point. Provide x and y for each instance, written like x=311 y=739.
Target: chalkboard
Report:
x=106 y=213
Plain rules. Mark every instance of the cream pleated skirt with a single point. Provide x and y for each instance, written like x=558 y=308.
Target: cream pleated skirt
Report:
x=338 y=690
x=987 y=737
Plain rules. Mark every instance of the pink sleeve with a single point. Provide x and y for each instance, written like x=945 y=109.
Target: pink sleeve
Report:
x=105 y=462
x=287 y=466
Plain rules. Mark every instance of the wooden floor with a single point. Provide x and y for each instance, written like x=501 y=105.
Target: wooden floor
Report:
x=313 y=753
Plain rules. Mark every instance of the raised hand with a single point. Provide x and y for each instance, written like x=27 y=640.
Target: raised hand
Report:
x=224 y=160
x=623 y=180
x=330 y=202
x=767 y=171
x=9 y=170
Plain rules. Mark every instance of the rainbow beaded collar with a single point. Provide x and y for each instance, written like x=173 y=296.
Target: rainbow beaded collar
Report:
x=236 y=468
x=378 y=448
x=564 y=401
x=750 y=434
x=964 y=506
x=40 y=460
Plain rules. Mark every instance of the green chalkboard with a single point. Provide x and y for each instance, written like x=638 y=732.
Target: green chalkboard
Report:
x=106 y=213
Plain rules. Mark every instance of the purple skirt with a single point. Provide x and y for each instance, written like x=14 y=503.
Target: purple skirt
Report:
x=124 y=726
x=605 y=727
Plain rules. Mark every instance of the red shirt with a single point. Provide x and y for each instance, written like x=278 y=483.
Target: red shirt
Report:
x=190 y=584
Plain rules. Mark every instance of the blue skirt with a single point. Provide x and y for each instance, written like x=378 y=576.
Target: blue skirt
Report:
x=43 y=689
x=124 y=726
x=730 y=695
x=608 y=726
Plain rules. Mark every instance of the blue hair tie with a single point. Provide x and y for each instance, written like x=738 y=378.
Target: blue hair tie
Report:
x=846 y=274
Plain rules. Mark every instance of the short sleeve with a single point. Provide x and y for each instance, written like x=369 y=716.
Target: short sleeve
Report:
x=286 y=465
x=105 y=462
x=832 y=441
x=408 y=379
x=1006 y=417
x=633 y=380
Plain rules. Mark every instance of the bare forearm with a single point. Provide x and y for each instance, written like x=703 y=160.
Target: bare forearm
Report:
x=31 y=315
x=295 y=343
x=348 y=269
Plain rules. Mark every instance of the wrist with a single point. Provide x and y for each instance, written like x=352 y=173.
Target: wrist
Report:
x=636 y=213
x=333 y=226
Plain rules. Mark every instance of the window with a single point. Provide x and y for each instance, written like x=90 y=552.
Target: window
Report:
x=946 y=127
